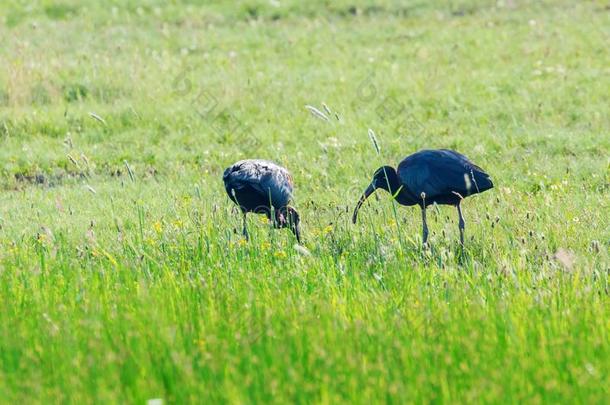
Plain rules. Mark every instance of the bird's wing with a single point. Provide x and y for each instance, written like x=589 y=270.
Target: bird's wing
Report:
x=441 y=172
x=268 y=178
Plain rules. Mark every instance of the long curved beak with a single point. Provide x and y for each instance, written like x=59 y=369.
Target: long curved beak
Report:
x=297 y=233
x=369 y=190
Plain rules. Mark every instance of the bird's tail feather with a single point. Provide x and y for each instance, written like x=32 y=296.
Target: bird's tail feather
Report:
x=482 y=180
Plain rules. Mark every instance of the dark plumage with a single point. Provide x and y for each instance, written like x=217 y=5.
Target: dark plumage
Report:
x=263 y=187
x=427 y=177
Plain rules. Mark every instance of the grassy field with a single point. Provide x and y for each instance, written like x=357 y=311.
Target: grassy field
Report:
x=123 y=275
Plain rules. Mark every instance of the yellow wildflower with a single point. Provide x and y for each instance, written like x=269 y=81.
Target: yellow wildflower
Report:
x=158 y=227
x=280 y=254
x=110 y=258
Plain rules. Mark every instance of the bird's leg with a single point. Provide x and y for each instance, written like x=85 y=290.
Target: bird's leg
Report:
x=245 y=231
x=425 y=226
x=461 y=224
x=423 y=219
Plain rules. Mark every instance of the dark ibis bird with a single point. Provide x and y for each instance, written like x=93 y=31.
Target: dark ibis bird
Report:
x=263 y=187
x=428 y=177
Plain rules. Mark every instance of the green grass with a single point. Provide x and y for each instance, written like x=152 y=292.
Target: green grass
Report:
x=119 y=288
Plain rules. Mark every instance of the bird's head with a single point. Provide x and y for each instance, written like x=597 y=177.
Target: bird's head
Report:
x=288 y=217
x=384 y=178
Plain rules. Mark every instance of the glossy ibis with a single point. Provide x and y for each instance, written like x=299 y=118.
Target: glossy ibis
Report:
x=427 y=177
x=263 y=187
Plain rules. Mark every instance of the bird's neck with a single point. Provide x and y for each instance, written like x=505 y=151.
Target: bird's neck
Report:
x=399 y=193
x=402 y=197
x=393 y=185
